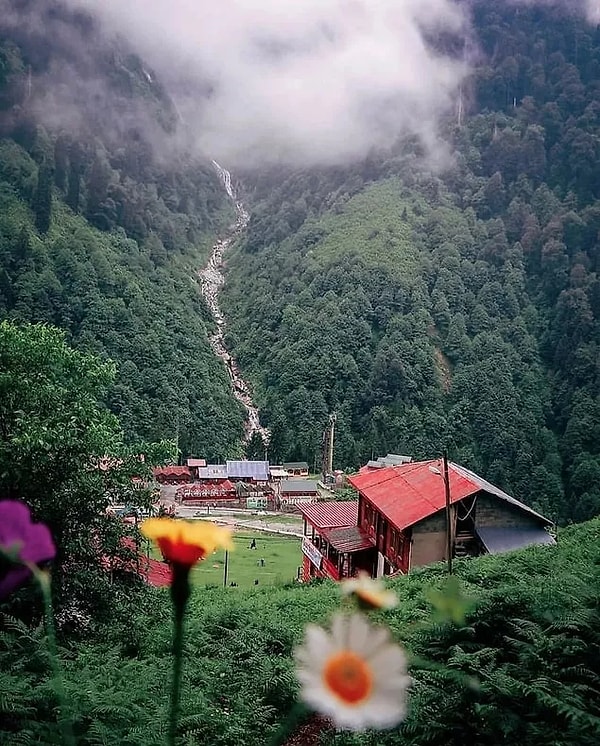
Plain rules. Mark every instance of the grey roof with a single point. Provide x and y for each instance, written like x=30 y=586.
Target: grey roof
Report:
x=212 y=471
x=299 y=486
x=491 y=488
x=257 y=470
x=296 y=465
x=506 y=539
x=392 y=459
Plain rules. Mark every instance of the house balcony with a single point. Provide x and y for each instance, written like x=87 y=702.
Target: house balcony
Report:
x=336 y=555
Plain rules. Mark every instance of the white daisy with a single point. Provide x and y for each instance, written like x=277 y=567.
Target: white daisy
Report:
x=355 y=674
x=370 y=594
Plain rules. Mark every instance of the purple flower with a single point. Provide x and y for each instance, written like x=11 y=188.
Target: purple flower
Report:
x=21 y=541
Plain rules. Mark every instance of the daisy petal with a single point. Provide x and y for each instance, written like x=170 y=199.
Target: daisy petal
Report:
x=355 y=675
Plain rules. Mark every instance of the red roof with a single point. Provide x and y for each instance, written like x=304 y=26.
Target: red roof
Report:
x=409 y=493
x=206 y=489
x=172 y=471
x=348 y=539
x=331 y=514
x=154 y=572
x=196 y=462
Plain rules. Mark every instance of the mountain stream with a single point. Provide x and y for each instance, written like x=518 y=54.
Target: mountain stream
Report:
x=211 y=280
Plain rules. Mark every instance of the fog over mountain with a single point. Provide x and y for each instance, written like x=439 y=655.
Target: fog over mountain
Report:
x=302 y=81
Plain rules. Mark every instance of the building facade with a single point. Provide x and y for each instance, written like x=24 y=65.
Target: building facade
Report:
x=402 y=520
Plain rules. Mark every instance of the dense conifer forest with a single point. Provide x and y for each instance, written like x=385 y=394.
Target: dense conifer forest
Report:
x=452 y=305
x=103 y=228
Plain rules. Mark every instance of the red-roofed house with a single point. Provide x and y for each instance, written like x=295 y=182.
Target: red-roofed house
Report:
x=172 y=474
x=333 y=545
x=401 y=511
x=207 y=493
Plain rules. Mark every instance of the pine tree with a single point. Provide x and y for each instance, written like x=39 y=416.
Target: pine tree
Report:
x=74 y=181
x=42 y=198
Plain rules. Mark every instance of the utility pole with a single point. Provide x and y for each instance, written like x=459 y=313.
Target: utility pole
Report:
x=448 y=512
x=332 y=419
x=444 y=475
x=225 y=570
x=327 y=448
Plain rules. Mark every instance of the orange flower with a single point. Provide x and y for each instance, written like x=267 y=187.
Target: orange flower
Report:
x=370 y=594
x=186 y=542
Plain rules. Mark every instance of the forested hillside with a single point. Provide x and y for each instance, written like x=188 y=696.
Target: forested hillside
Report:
x=103 y=223
x=457 y=305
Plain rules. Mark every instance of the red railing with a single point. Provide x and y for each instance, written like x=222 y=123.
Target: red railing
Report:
x=330 y=569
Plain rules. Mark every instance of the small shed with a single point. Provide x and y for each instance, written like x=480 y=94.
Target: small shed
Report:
x=194 y=464
x=296 y=468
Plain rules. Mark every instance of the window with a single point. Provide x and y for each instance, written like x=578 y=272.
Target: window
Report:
x=370 y=519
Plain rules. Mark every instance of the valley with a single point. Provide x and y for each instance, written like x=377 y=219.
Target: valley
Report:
x=211 y=280
x=232 y=238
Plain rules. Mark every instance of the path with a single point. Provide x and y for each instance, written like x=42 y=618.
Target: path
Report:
x=288 y=525
x=211 y=280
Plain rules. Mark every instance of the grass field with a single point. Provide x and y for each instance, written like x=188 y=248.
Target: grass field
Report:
x=281 y=554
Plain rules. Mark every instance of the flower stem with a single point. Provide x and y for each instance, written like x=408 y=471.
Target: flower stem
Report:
x=295 y=717
x=180 y=592
x=64 y=718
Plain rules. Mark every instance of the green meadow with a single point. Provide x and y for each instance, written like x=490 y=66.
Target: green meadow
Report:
x=281 y=554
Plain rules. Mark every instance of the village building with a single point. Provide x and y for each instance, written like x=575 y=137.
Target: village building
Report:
x=294 y=492
x=221 y=492
x=194 y=464
x=212 y=472
x=277 y=473
x=333 y=545
x=392 y=459
x=401 y=521
x=248 y=471
x=296 y=468
x=172 y=474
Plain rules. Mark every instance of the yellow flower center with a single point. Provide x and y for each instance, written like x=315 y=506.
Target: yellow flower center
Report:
x=372 y=600
x=349 y=677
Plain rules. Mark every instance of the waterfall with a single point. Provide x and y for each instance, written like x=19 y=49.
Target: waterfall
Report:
x=211 y=280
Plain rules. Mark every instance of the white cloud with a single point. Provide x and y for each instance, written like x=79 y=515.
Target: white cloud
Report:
x=299 y=80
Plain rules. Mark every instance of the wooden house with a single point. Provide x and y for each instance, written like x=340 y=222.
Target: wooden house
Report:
x=402 y=511
x=172 y=474
x=333 y=545
x=296 y=468
x=293 y=492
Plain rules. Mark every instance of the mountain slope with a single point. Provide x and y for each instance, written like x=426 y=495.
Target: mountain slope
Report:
x=457 y=307
x=101 y=233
